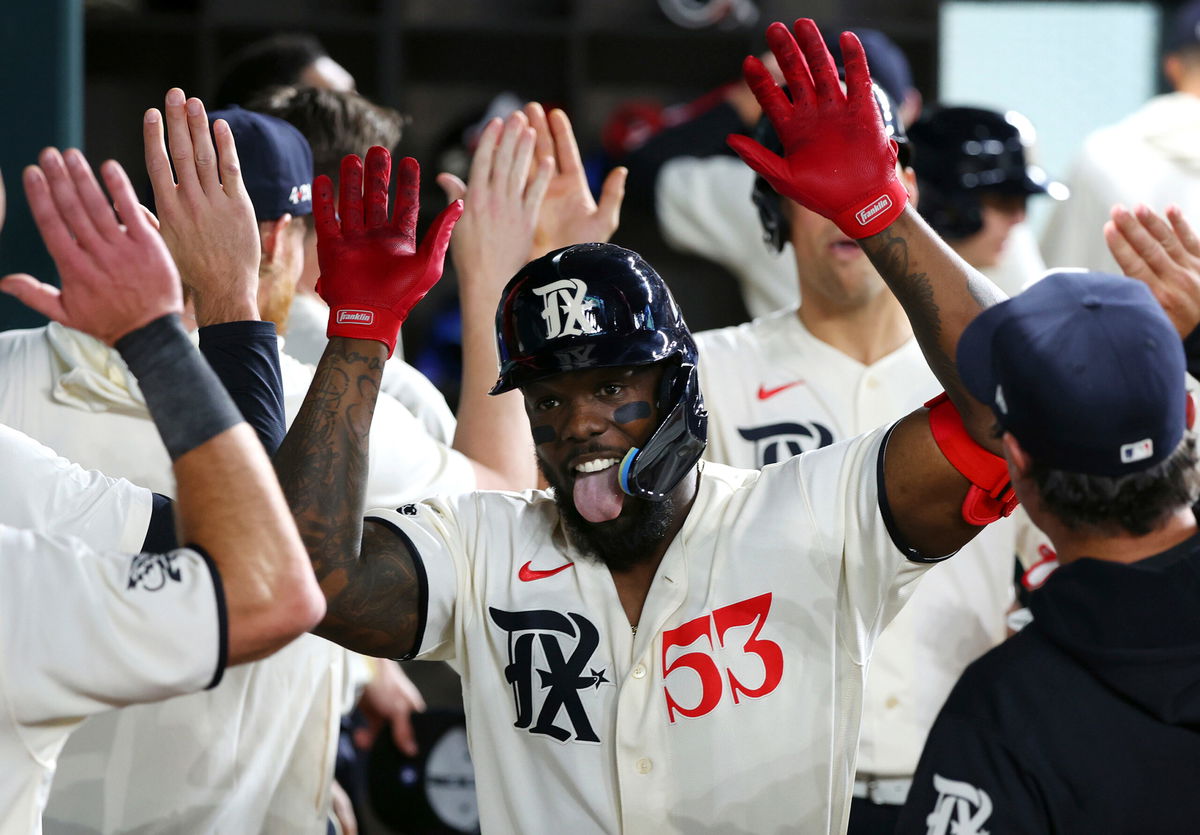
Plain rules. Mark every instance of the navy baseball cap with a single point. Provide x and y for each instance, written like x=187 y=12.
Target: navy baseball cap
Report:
x=276 y=161
x=1084 y=369
x=888 y=63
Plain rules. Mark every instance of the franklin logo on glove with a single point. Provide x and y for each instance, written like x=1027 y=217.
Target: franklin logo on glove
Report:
x=360 y=317
x=881 y=205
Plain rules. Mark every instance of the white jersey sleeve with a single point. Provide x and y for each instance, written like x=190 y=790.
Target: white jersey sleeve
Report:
x=842 y=496
x=83 y=631
x=53 y=494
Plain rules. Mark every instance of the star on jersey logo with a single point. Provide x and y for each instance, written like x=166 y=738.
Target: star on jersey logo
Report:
x=599 y=677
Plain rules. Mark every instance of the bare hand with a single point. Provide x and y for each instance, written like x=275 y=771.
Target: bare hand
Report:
x=1165 y=257
x=569 y=214
x=390 y=697
x=116 y=276
x=206 y=217
x=495 y=235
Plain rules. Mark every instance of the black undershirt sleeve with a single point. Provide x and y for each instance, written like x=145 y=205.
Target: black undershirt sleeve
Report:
x=245 y=358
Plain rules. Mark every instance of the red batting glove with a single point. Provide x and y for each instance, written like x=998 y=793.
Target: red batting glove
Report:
x=838 y=160
x=372 y=273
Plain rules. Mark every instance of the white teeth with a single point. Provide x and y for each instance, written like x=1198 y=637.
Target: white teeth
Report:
x=595 y=466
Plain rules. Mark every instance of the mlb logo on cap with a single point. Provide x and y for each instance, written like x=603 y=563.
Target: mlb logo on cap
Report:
x=1084 y=369
x=1137 y=452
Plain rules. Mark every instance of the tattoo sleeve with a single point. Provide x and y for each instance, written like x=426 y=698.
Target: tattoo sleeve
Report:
x=367 y=575
x=940 y=293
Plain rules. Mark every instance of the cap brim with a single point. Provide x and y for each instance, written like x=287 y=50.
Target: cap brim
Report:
x=1037 y=181
x=974 y=358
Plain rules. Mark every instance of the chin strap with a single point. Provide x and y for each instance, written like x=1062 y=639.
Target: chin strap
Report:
x=991 y=495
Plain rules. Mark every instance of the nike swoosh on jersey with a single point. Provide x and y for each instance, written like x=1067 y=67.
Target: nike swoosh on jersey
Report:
x=527 y=574
x=765 y=393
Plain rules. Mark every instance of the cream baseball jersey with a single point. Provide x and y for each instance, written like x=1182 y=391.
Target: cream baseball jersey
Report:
x=83 y=631
x=227 y=759
x=46 y=492
x=774 y=390
x=732 y=708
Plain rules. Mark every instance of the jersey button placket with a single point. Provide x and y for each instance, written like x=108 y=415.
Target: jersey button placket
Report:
x=643 y=765
x=639 y=671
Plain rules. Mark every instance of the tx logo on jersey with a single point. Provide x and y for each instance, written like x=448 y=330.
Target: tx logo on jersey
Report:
x=961 y=809
x=778 y=441
x=549 y=667
x=568 y=310
x=151 y=571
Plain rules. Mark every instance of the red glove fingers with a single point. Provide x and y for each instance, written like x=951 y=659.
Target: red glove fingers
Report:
x=837 y=158
x=372 y=273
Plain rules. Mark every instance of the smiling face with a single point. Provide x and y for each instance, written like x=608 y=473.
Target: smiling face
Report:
x=583 y=424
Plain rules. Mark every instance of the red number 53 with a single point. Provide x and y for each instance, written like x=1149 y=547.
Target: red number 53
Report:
x=751 y=612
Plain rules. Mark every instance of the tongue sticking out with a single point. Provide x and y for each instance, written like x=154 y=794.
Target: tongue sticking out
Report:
x=598 y=497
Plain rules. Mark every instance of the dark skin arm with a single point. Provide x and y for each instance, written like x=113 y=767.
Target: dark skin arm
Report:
x=924 y=491
x=368 y=260
x=836 y=151
x=365 y=571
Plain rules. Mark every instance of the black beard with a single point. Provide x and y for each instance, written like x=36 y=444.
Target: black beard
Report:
x=622 y=543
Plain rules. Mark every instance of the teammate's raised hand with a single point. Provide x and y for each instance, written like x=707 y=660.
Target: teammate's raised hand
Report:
x=115 y=270
x=504 y=195
x=837 y=158
x=372 y=272
x=569 y=213
x=204 y=211
x=1164 y=256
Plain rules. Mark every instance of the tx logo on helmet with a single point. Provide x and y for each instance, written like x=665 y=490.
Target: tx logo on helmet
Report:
x=568 y=310
x=550 y=656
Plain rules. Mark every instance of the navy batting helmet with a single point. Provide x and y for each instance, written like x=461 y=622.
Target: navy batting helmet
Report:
x=766 y=199
x=600 y=306
x=963 y=152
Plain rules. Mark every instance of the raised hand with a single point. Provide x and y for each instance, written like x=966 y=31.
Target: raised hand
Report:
x=490 y=245
x=206 y=216
x=503 y=201
x=1164 y=256
x=569 y=213
x=838 y=160
x=115 y=270
x=372 y=272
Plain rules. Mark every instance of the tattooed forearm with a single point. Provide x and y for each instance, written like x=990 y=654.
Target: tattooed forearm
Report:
x=323 y=466
x=937 y=308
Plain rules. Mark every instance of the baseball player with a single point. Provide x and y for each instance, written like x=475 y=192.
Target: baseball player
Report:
x=841 y=364
x=265 y=769
x=88 y=628
x=656 y=644
x=1087 y=720
x=975 y=179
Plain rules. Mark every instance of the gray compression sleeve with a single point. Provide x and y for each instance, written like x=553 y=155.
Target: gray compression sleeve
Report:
x=185 y=398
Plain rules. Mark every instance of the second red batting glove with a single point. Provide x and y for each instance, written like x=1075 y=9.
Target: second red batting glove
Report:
x=837 y=158
x=372 y=272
